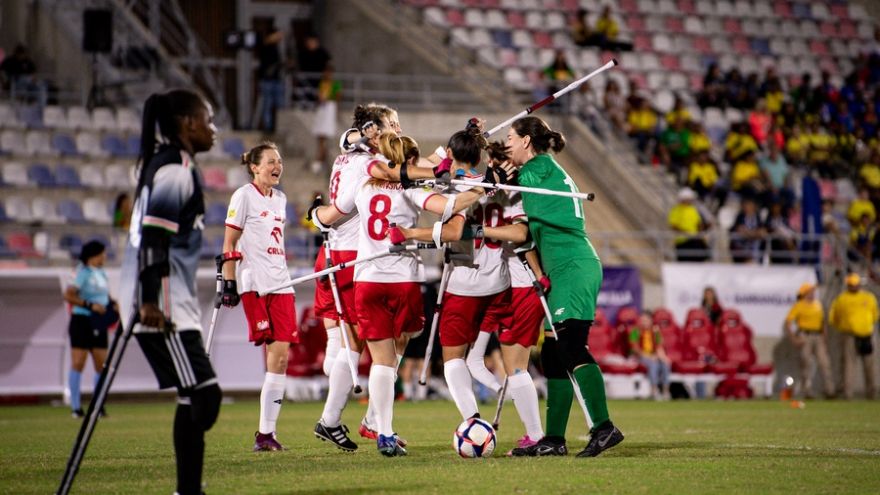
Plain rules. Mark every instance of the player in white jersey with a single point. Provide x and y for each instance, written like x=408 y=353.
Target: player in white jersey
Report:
x=255 y=236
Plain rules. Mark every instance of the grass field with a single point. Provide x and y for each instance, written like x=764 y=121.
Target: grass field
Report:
x=670 y=447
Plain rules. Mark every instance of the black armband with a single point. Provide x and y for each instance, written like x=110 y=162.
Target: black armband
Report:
x=404 y=177
x=153 y=264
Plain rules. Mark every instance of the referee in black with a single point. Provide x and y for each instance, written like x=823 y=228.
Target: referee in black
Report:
x=161 y=262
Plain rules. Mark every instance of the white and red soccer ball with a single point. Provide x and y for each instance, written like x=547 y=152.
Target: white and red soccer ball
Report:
x=474 y=438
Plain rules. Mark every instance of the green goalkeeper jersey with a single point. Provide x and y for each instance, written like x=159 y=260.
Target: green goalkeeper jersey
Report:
x=557 y=227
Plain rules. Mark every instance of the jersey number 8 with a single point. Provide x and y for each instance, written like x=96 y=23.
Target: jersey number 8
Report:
x=380 y=207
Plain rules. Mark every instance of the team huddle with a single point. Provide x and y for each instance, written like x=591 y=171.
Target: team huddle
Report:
x=488 y=238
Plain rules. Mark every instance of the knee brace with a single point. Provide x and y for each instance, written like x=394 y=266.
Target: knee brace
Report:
x=205 y=404
x=551 y=361
x=573 y=338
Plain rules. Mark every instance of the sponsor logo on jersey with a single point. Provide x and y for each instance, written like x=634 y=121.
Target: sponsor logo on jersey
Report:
x=230 y=213
x=264 y=214
x=277 y=234
x=559 y=312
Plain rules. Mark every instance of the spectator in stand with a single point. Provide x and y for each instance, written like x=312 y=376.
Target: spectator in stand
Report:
x=642 y=125
x=869 y=174
x=734 y=89
x=18 y=69
x=861 y=206
x=312 y=61
x=746 y=177
x=783 y=246
x=748 y=234
x=772 y=92
x=825 y=93
x=122 y=212
x=854 y=314
x=613 y=101
x=843 y=146
x=684 y=218
x=819 y=154
x=759 y=122
x=557 y=75
x=329 y=94
x=711 y=305
x=802 y=95
x=674 y=147
x=796 y=146
x=861 y=240
x=775 y=169
x=270 y=73
x=714 y=93
x=703 y=176
x=605 y=33
x=646 y=344
x=581 y=34
x=678 y=112
x=698 y=140
x=805 y=328
x=739 y=142
x=788 y=117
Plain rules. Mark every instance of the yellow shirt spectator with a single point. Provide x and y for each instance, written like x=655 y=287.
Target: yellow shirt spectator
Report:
x=738 y=144
x=774 y=100
x=796 y=147
x=684 y=217
x=675 y=115
x=861 y=207
x=608 y=27
x=744 y=172
x=870 y=173
x=807 y=315
x=854 y=312
x=642 y=120
x=699 y=142
x=703 y=172
x=820 y=146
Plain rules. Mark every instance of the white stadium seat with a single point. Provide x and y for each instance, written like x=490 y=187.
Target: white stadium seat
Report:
x=104 y=119
x=15 y=174
x=79 y=118
x=54 y=117
x=96 y=211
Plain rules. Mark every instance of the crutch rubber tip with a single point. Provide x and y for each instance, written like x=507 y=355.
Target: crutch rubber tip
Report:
x=495 y=426
x=358 y=389
x=422 y=383
x=614 y=60
x=591 y=196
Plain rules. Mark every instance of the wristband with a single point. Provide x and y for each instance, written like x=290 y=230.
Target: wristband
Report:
x=436 y=233
x=231 y=256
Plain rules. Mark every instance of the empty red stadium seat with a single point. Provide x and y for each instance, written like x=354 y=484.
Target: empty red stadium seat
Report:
x=663 y=318
x=847 y=30
x=674 y=25
x=626 y=317
x=21 y=244
x=687 y=6
x=542 y=39
x=730 y=317
x=735 y=349
x=818 y=47
x=643 y=42
x=698 y=342
x=840 y=10
x=516 y=20
x=701 y=44
x=782 y=9
x=635 y=23
x=629 y=5
x=732 y=26
x=604 y=346
x=670 y=61
x=454 y=17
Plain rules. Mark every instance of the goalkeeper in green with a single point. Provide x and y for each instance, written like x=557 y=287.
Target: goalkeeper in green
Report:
x=557 y=226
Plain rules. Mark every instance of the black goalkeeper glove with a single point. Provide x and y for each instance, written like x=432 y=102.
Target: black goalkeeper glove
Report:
x=229 y=297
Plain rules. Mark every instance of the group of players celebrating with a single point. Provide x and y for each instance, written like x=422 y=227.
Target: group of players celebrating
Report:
x=375 y=199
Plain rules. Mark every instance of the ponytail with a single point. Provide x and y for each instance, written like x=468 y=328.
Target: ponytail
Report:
x=542 y=137
x=398 y=149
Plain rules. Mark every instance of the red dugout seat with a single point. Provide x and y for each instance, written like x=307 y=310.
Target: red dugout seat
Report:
x=605 y=347
x=306 y=359
x=735 y=350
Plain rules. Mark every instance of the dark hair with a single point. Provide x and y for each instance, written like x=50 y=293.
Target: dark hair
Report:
x=543 y=138
x=255 y=155
x=467 y=146
x=90 y=250
x=370 y=113
x=165 y=110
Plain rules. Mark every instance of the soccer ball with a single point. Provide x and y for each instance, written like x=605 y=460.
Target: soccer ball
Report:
x=474 y=438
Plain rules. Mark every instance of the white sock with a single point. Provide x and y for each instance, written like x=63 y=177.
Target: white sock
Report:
x=476 y=363
x=408 y=390
x=334 y=343
x=340 y=386
x=271 y=398
x=460 y=384
x=382 y=397
x=421 y=392
x=525 y=397
x=370 y=416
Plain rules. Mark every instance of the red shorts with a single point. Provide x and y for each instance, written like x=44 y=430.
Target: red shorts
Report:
x=462 y=317
x=270 y=318
x=386 y=310
x=524 y=324
x=497 y=314
x=325 y=307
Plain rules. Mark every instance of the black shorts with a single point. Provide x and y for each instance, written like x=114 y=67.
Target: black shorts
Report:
x=85 y=335
x=178 y=359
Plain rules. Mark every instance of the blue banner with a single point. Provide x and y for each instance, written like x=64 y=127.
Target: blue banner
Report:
x=621 y=286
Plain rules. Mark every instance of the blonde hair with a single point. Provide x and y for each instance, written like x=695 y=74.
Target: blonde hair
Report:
x=398 y=149
x=254 y=156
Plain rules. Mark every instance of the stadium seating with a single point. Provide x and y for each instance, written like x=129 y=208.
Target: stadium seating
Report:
x=67 y=176
x=97 y=212
x=40 y=175
x=15 y=174
x=21 y=245
x=215 y=214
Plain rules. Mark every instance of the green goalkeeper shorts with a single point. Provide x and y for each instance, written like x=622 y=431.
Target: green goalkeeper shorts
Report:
x=575 y=289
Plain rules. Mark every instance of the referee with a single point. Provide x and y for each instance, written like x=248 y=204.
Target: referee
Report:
x=569 y=259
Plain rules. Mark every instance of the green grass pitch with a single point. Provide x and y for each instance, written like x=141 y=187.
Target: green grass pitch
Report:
x=750 y=447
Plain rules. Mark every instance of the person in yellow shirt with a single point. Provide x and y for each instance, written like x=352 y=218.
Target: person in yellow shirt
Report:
x=746 y=172
x=698 y=140
x=805 y=328
x=642 y=124
x=685 y=219
x=606 y=26
x=702 y=175
x=739 y=142
x=854 y=314
x=646 y=344
x=796 y=146
x=861 y=206
x=870 y=174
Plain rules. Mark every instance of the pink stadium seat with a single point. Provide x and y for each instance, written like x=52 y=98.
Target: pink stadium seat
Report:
x=687 y=6
x=828 y=29
x=696 y=81
x=818 y=47
x=701 y=44
x=663 y=318
x=840 y=10
x=543 y=39
x=732 y=26
x=670 y=61
x=635 y=23
x=847 y=30
x=455 y=17
x=22 y=245
x=643 y=42
x=215 y=178
x=516 y=20
x=627 y=316
x=782 y=8
x=674 y=25
x=570 y=6
x=741 y=46
x=736 y=353
x=731 y=318
x=629 y=5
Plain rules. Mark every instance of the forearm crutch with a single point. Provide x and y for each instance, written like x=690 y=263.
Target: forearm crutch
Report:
x=352 y=366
